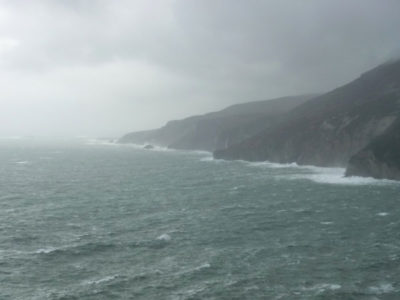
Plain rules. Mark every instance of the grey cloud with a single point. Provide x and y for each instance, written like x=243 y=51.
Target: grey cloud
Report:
x=136 y=64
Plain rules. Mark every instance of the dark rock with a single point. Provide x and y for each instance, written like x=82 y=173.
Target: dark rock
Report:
x=148 y=147
x=381 y=158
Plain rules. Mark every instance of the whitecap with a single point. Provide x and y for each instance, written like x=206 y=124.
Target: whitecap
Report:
x=327 y=175
x=22 y=162
x=383 y=288
x=46 y=250
x=164 y=237
x=273 y=165
x=201 y=152
x=202 y=267
x=159 y=148
x=101 y=142
x=156 y=148
x=335 y=176
x=332 y=178
x=322 y=287
x=326 y=223
x=382 y=214
x=101 y=280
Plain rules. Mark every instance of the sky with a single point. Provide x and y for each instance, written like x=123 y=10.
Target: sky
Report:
x=102 y=68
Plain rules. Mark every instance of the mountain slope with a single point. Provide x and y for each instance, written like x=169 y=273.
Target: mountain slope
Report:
x=329 y=129
x=218 y=130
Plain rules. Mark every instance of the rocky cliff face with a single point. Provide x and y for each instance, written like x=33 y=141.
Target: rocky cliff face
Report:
x=220 y=129
x=380 y=158
x=328 y=130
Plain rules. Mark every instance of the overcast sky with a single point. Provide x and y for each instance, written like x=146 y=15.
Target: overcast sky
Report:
x=106 y=67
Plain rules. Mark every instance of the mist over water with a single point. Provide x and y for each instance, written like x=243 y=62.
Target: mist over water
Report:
x=100 y=221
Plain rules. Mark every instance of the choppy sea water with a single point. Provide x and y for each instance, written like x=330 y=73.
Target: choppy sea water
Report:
x=92 y=221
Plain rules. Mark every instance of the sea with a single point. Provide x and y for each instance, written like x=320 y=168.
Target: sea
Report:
x=89 y=219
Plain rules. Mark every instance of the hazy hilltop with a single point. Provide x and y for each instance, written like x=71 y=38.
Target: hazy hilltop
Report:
x=221 y=129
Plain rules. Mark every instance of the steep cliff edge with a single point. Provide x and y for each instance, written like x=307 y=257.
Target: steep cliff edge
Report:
x=329 y=129
x=218 y=130
x=381 y=158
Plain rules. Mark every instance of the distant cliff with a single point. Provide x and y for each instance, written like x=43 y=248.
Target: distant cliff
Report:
x=218 y=130
x=356 y=125
x=329 y=129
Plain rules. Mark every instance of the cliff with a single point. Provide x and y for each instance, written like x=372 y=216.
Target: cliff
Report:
x=331 y=128
x=218 y=130
x=380 y=158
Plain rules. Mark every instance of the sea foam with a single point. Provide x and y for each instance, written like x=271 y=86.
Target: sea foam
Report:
x=101 y=280
x=317 y=174
x=164 y=237
x=383 y=288
x=46 y=250
x=322 y=287
x=382 y=214
x=332 y=176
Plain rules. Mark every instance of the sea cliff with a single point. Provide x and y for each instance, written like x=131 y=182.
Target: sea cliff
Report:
x=330 y=129
x=354 y=126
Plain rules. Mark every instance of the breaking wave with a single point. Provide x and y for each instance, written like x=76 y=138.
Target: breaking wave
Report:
x=336 y=176
x=316 y=174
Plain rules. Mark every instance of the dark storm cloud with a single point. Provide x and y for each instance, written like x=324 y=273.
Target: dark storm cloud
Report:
x=112 y=66
x=294 y=41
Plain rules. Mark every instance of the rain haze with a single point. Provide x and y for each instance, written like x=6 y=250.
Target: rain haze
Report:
x=104 y=68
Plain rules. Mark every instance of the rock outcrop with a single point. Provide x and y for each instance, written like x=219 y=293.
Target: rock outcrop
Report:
x=381 y=158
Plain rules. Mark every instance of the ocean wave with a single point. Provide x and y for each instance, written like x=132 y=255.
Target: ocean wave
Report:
x=202 y=267
x=382 y=214
x=22 y=162
x=207 y=158
x=194 y=269
x=10 y=197
x=101 y=280
x=46 y=250
x=274 y=165
x=322 y=287
x=321 y=174
x=326 y=223
x=295 y=166
x=96 y=142
x=76 y=249
x=325 y=175
x=164 y=237
x=200 y=152
x=100 y=142
x=156 y=148
x=383 y=288
x=332 y=176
